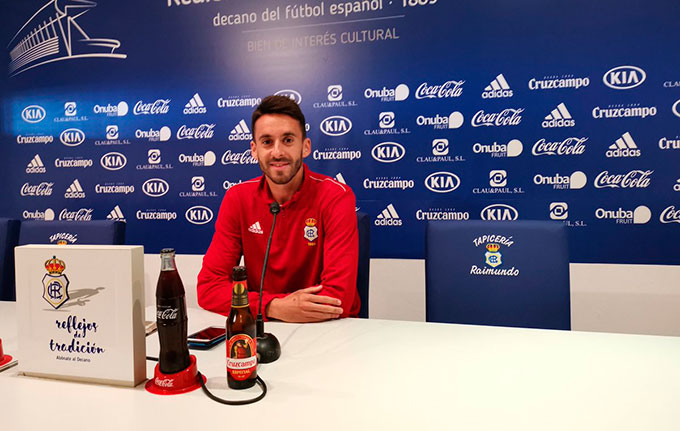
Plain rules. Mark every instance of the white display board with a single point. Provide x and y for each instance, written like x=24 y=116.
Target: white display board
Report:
x=80 y=312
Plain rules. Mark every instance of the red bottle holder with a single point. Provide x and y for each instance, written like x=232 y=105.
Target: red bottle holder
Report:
x=4 y=359
x=177 y=383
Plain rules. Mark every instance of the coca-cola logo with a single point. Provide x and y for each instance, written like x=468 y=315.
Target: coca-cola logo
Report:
x=42 y=189
x=634 y=179
x=83 y=214
x=164 y=383
x=167 y=314
x=507 y=117
x=204 y=131
x=244 y=158
x=567 y=147
x=670 y=215
x=160 y=106
x=448 y=89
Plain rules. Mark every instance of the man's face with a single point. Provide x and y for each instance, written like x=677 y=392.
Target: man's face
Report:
x=278 y=147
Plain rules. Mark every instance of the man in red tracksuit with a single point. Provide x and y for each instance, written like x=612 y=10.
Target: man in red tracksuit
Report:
x=312 y=268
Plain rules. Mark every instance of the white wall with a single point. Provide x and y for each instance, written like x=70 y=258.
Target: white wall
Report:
x=637 y=299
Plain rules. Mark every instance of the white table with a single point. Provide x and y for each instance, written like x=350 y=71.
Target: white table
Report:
x=356 y=374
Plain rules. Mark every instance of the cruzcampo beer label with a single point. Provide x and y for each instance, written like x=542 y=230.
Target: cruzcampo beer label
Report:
x=241 y=357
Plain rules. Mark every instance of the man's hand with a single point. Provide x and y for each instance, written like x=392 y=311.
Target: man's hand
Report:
x=303 y=306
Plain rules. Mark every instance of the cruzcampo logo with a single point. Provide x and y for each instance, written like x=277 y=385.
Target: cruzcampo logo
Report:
x=493 y=256
x=55 y=284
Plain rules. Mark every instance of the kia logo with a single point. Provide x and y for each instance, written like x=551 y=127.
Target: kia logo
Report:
x=388 y=152
x=199 y=215
x=499 y=212
x=624 y=77
x=291 y=94
x=442 y=182
x=33 y=114
x=336 y=125
x=113 y=161
x=72 y=137
x=155 y=187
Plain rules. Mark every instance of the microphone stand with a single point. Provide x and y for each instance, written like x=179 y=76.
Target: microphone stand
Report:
x=268 y=346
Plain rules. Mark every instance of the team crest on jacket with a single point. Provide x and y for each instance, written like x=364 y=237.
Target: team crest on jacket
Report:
x=311 y=231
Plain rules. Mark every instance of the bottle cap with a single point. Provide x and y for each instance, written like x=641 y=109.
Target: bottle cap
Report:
x=168 y=250
x=238 y=273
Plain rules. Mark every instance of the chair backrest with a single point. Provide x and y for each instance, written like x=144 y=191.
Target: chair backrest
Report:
x=498 y=273
x=98 y=232
x=363 y=274
x=9 y=236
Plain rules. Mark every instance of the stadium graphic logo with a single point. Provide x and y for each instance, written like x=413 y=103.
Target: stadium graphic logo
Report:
x=155 y=187
x=388 y=152
x=113 y=161
x=33 y=114
x=558 y=117
x=55 y=284
x=336 y=125
x=623 y=147
x=388 y=217
x=195 y=105
x=640 y=215
x=670 y=215
x=624 y=77
x=507 y=117
x=74 y=191
x=442 y=182
x=567 y=147
x=499 y=212
x=199 y=215
x=36 y=166
x=52 y=34
x=499 y=87
x=397 y=94
x=293 y=95
x=513 y=148
x=240 y=132
x=559 y=210
x=116 y=214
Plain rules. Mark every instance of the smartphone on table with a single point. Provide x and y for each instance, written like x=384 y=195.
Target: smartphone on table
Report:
x=206 y=337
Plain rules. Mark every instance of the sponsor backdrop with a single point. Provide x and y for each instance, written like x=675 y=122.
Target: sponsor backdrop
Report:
x=428 y=109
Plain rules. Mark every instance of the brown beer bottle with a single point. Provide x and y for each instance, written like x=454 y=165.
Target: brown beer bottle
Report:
x=241 y=336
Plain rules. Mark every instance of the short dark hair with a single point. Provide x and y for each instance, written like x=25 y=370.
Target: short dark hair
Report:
x=279 y=105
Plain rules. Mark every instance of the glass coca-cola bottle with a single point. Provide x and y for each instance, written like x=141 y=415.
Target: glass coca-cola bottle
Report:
x=171 y=316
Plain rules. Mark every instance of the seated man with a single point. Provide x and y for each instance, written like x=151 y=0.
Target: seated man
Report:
x=312 y=269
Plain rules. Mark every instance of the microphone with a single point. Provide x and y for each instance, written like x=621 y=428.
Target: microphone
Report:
x=268 y=347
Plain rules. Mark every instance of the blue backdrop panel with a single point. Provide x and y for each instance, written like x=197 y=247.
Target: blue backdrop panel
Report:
x=429 y=110
x=498 y=273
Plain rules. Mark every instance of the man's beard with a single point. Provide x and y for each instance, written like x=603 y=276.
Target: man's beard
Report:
x=282 y=179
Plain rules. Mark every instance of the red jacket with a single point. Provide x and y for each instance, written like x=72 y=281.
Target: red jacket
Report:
x=315 y=242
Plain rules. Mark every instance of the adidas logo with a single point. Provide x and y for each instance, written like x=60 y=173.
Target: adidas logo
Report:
x=255 y=228
x=36 y=166
x=195 y=106
x=74 y=191
x=241 y=132
x=116 y=214
x=498 y=88
x=339 y=178
x=623 y=147
x=388 y=217
x=558 y=117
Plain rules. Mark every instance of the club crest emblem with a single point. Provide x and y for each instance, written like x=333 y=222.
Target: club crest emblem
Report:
x=493 y=256
x=55 y=284
x=311 y=232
